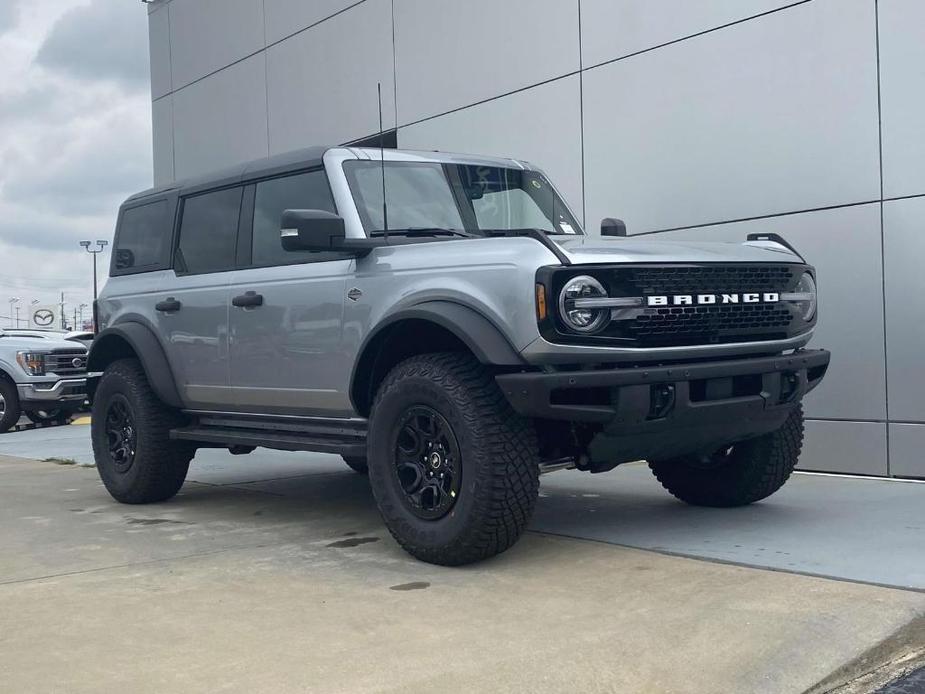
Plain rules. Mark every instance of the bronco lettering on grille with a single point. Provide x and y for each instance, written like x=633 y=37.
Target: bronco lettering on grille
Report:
x=709 y=299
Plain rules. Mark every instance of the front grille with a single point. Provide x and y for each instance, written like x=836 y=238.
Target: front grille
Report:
x=60 y=362
x=703 y=322
x=705 y=278
x=682 y=324
x=692 y=325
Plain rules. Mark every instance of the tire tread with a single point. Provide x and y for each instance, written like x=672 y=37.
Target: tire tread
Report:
x=757 y=469
x=162 y=462
x=510 y=488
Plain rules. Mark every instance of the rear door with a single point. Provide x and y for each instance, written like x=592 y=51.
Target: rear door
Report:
x=192 y=315
x=286 y=355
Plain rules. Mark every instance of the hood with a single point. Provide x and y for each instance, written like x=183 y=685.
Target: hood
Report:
x=591 y=250
x=38 y=344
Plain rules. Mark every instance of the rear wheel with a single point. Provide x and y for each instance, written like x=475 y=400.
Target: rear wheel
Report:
x=738 y=474
x=9 y=405
x=57 y=414
x=455 y=472
x=356 y=463
x=130 y=428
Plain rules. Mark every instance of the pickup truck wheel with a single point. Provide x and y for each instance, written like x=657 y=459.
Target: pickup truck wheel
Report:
x=130 y=429
x=9 y=405
x=736 y=475
x=356 y=463
x=58 y=414
x=455 y=472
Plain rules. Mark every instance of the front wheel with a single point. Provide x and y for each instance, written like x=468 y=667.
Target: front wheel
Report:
x=455 y=472
x=130 y=428
x=9 y=405
x=735 y=475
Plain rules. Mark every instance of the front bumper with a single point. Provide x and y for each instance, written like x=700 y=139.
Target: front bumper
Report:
x=66 y=390
x=665 y=411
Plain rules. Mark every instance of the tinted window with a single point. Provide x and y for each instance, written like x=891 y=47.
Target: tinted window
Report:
x=307 y=191
x=208 y=232
x=142 y=237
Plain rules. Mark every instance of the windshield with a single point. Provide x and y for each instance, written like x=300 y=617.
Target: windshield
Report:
x=470 y=198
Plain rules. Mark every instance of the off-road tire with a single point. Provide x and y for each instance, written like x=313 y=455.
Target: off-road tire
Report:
x=160 y=465
x=498 y=451
x=356 y=463
x=11 y=409
x=753 y=470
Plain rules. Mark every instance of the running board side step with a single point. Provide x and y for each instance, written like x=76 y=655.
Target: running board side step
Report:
x=320 y=436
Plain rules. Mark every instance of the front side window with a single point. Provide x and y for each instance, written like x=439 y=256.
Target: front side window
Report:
x=209 y=232
x=306 y=191
x=142 y=239
x=465 y=197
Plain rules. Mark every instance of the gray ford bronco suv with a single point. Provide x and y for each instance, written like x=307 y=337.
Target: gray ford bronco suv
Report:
x=443 y=323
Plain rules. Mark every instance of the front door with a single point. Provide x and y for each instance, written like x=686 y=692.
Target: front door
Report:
x=286 y=331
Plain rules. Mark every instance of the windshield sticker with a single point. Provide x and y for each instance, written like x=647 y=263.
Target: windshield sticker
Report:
x=566 y=228
x=536 y=184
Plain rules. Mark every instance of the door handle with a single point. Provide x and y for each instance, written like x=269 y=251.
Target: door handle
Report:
x=248 y=300
x=169 y=305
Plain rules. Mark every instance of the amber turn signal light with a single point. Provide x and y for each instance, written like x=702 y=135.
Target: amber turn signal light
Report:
x=541 y=302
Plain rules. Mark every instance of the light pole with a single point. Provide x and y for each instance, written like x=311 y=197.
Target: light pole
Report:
x=13 y=300
x=99 y=249
x=80 y=325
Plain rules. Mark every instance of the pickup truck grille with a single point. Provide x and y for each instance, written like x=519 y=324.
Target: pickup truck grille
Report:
x=61 y=362
x=708 y=324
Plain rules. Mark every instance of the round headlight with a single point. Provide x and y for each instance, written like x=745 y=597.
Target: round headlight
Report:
x=583 y=319
x=805 y=294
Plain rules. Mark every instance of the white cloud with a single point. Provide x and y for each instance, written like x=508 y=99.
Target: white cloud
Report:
x=75 y=138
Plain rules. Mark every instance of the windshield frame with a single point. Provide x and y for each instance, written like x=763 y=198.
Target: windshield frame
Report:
x=465 y=211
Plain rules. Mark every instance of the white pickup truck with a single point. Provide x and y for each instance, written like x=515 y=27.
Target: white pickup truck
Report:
x=44 y=377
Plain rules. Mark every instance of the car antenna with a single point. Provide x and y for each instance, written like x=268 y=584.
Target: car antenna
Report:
x=385 y=206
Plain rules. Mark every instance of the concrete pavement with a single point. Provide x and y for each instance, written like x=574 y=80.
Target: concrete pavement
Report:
x=294 y=585
x=855 y=529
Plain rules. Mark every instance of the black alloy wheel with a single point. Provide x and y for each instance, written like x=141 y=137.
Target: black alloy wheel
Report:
x=454 y=471
x=428 y=464
x=121 y=433
x=130 y=428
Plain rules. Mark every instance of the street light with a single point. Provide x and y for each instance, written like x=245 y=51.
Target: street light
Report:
x=14 y=300
x=99 y=249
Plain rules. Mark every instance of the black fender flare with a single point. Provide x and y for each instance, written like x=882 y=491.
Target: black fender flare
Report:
x=107 y=346
x=483 y=338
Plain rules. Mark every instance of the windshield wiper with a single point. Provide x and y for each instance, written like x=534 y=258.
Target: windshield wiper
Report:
x=422 y=231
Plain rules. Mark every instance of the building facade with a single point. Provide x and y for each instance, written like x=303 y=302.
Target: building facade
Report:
x=690 y=119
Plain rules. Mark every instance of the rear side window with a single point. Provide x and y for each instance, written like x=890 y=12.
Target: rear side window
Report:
x=209 y=232
x=142 y=238
x=306 y=191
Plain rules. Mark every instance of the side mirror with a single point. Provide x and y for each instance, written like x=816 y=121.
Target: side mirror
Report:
x=311 y=230
x=612 y=227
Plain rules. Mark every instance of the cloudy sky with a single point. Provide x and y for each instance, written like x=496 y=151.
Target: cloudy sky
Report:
x=75 y=139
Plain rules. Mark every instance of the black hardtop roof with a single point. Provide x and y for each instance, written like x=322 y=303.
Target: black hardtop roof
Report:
x=258 y=168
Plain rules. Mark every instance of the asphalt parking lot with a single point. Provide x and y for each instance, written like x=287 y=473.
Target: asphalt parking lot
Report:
x=272 y=572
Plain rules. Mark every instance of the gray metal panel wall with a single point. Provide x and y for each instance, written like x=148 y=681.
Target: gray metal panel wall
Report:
x=699 y=120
